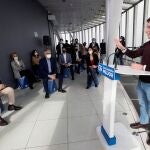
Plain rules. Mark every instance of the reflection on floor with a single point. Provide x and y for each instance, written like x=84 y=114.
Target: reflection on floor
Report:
x=63 y=122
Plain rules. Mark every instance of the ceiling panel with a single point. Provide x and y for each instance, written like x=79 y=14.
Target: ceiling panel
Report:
x=72 y=14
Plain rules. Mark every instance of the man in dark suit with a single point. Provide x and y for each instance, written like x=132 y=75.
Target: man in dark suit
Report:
x=48 y=70
x=65 y=61
x=94 y=44
x=102 y=51
x=59 y=48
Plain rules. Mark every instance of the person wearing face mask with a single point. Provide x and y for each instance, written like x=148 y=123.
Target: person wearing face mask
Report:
x=65 y=61
x=59 y=48
x=92 y=64
x=48 y=70
x=20 y=70
x=94 y=44
x=35 y=59
x=9 y=92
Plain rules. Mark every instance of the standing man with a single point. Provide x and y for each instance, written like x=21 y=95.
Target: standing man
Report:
x=94 y=44
x=59 y=48
x=48 y=70
x=65 y=61
x=143 y=87
x=102 y=51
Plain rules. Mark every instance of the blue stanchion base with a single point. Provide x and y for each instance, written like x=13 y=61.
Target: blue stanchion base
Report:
x=110 y=141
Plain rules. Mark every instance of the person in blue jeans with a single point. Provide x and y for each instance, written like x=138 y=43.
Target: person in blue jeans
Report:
x=92 y=64
x=143 y=87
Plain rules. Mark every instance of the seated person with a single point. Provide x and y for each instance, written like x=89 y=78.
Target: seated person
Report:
x=35 y=59
x=48 y=70
x=92 y=65
x=20 y=70
x=9 y=92
x=65 y=61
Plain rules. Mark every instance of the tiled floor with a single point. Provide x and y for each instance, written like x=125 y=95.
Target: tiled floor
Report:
x=63 y=122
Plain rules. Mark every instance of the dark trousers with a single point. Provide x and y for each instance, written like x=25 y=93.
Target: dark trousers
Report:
x=45 y=84
x=83 y=61
x=29 y=75
x=61 y=75
x=92 y=76
x=35 y=69
x=78 y=66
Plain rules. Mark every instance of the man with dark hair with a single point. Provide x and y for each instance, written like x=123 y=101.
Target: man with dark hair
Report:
x=143 y=87
x=59 y=48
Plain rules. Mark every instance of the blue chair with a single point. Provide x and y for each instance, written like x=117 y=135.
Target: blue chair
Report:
x=52 y=86
x=23 y=82
x=66 y=72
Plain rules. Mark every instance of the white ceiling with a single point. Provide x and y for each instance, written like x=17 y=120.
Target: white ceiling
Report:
x=72 y=14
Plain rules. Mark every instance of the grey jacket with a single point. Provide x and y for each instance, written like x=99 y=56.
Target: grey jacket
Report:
x=17 y=68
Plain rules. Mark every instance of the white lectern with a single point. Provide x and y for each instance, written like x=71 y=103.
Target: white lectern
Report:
x=115 y=136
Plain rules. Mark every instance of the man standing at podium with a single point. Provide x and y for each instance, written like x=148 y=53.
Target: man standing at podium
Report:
x=143 y=87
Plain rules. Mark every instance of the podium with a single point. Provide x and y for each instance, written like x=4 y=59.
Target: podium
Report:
x=115 y=136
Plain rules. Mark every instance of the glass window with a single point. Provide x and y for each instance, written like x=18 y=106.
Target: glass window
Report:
x=93 y=32
x=102 y=31
x=86 y=37
x=130 y=28
x=123 y=25
x=97 y=34
x=139 y=24
x=90 y=36
x=149 y=9
x=80 y=34
x=68 y=37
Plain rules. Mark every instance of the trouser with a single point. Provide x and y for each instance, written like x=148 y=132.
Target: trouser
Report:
x=35 y=69
x=9 y=92
x=143 y=91
x=92 y=76
x=77 y=66
x=45 y=84
x=61 y=75
x=29 y=75
x=83 y=61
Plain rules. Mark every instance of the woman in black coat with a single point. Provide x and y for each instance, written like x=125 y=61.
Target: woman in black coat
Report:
x=92 y=64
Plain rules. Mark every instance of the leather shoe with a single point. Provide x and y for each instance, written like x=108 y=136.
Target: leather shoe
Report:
x=138 y=125
x=62 y=91
x=3 y=122
x=13 y=107
x=148 y=139
x=46 y=95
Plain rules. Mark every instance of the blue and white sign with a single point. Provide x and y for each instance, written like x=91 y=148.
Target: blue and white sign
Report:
x=108 y=72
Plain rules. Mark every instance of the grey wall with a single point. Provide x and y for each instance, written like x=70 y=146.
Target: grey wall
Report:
x=19 y=19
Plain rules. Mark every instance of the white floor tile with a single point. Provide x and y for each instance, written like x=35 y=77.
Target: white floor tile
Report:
x=86 y=145
x=54 y=147
x=53 y=110
x=76 y=109
x=15 y=135
x=49 y=133
x=83 y=128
